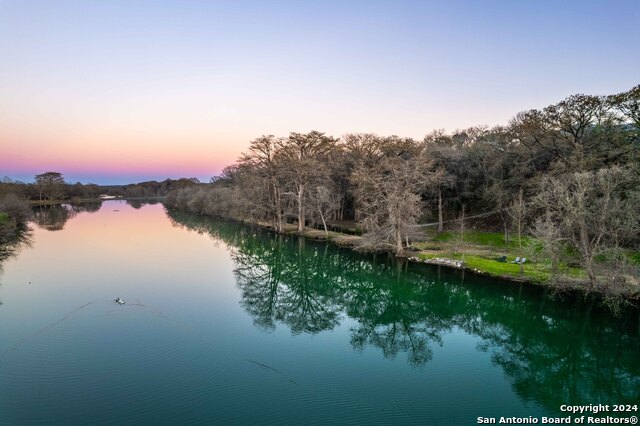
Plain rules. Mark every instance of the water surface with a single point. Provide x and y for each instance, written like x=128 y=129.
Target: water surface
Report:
x=226 y=323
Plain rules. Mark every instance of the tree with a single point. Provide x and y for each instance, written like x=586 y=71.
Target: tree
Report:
x=266 y=163
x=591 y=211
x=439 y=147
x=361 y=150
x=461 y=247
x=517 y=211
x=499 y=197
x=325 y=201
x=627 y=106
x=250 y=195
x=390 y=192
x=628 y=103
x=442 y=181
x=17 y=209
x=303 y=155
x=50 y=185
x=573 y=122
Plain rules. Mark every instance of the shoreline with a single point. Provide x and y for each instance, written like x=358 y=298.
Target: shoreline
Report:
x=44 y=203
x=438 y=258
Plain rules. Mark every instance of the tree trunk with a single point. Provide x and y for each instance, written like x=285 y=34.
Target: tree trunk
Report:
x=591 y=274
x=586 y=254
x=324 y=224
x=462 y=232
x=440 y=219
x=506 y=228
x=278 y=203
x=279 y=222
x=521 y=215
x=300 y=209
x=399 y=249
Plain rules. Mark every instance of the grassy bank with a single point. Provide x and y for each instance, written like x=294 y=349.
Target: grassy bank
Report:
x=480 y=251
x=483 y=249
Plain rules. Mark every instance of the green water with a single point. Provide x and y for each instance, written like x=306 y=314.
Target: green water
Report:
x=229 y=324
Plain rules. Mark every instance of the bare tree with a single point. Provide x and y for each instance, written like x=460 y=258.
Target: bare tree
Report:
x=591 y=211
x=251 y=193
x=363 y=150
x=302 y=156
x=325 y=202
x=17 y=209
x=461 y=220
x=548 y=231
x=499 y=196
x=440 y=148
x=517 y=211
x=267 y=166
x=389 y=193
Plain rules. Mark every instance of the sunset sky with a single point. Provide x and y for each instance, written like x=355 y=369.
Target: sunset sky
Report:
x=123 y=91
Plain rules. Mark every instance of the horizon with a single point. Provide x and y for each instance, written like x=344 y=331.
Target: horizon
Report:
x=107 y=181
x=121 y=93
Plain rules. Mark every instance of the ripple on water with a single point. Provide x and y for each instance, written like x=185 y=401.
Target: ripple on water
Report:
x=118 y=363
x=109 y=358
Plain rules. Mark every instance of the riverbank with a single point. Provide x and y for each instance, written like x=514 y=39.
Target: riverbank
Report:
x=5 y=227
x=44 y=203
x=14 y=214
x=12 y=235
x=481 y=253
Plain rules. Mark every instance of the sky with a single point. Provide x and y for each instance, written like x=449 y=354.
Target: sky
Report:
x=122 y=91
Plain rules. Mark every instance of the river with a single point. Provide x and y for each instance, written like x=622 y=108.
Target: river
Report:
x=229 y=324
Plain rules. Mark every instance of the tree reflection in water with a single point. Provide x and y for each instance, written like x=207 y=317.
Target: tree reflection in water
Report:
x=87 y=206
x=137 y=203
x=53 y=217
x=282 y=283
x=22 y=238
x=569 y=350
x=8 y=249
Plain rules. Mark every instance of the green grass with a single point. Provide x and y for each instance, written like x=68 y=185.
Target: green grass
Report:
x=4 y=218
x=634 y=257
x=494 y=240
x=427 y=245
x=534 y=271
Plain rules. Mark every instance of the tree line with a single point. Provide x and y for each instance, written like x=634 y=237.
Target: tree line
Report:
x=567 y=174
x=52 y=187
